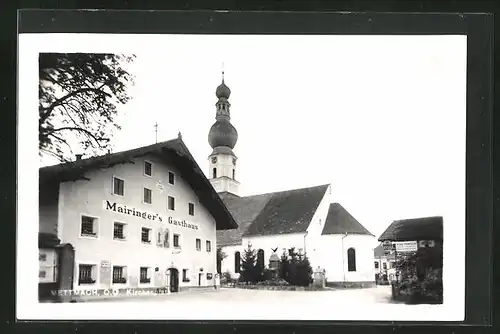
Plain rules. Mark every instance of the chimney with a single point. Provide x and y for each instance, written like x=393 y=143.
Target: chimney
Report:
x=78 y=156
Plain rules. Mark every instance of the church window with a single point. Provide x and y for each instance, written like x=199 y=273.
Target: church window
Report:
x=234 y=174
x=237 y=262
x=214 y=173
x=351 y=259
x=260 y=259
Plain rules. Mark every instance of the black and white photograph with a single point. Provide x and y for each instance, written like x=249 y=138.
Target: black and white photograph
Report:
x=242 y=177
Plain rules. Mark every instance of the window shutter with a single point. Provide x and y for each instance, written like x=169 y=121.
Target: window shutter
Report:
x=159 y=241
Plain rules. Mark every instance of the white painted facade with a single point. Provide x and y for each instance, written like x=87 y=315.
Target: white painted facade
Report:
x=385 y=265
x=95 y=198
x=222 y=169
x=334 y=251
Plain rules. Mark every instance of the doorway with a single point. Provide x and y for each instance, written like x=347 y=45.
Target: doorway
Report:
x=174 y=279
x=199 y=279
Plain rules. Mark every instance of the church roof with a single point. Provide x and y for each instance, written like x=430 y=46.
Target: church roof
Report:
x=426 y=228
x=172 y=152
x=340 y=221
x=280 y=212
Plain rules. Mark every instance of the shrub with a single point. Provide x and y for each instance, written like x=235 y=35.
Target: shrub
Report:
x=295 y=268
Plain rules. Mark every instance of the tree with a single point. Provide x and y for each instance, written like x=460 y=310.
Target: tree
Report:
x=295 y=268
x=249 y=270
x=220 y=257
x=78 y=98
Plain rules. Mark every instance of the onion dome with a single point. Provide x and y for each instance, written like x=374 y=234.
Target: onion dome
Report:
x=223 y=91
x=222 y=133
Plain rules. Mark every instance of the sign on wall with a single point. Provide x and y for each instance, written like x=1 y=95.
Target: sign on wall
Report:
x=123 y=209
x=105 y=272
x=406 y=246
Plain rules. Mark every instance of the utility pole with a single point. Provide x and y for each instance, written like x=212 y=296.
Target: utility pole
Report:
x=156 y=132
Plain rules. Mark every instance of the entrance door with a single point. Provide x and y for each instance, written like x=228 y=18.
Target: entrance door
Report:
x=174 y=280
x=199 y=279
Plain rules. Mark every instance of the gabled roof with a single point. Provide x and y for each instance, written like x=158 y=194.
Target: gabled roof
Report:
x=172 y=152
x=275 y=213
x=379 y=252
x=426 y=228
x=340 y=221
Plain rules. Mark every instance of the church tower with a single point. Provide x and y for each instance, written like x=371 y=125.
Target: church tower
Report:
x=222 y=138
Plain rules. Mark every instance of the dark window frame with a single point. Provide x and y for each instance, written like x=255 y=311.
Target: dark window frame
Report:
x=122 y=236
x=171 y=178
x=146 y=164
x=191 y=209
x=176 y=237
x=351 y=260
x=85 y=274
x=143 y=230
x=115 y=185
x=171 y=203
x=237 y=262
x=144 y=197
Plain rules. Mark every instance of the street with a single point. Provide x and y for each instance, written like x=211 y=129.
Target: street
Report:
x=380 y=294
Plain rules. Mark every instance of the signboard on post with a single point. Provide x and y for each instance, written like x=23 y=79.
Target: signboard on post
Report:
x=406 y=246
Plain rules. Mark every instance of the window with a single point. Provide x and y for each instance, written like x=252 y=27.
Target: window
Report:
x=148 y=168
x=214 y=173
x=185 y=275
x=208 y=245
x=237 y=262
x=119 y=275
x=148 y=196
x=47 y=265
x=391 y=264
x=376 y=265
x=118 y=231
x=89 y=226
x=234 y=174
x=260 y=259
x=191 y=209
x=351 y=259
x=171 y=203
x=177 y=241
x=86 y=274
x=146 y=235
x=171 y=178
x=144 y=275
x=384 y=265
x=118 y=186
x=198 y=244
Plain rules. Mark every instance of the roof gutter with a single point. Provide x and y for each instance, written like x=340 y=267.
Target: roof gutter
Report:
x=343 y=255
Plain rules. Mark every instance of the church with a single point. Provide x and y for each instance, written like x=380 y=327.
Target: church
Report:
x=272 y=223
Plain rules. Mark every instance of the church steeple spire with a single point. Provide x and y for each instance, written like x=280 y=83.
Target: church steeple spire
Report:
x=222 y=138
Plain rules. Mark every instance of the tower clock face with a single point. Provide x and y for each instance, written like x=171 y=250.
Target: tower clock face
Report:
x=214 y=160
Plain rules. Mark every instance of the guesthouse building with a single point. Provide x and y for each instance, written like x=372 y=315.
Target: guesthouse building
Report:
x=144 y=218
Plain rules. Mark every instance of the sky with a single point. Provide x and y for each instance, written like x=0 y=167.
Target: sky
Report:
x=380 y=118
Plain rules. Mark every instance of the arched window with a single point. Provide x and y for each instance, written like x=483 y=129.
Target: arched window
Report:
x=351 y=259
x=260 y=259
x=237 y=262
x=214 y=173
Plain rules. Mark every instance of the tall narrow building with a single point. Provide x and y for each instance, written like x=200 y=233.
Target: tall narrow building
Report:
x=222 y=138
